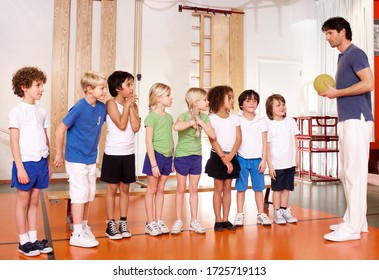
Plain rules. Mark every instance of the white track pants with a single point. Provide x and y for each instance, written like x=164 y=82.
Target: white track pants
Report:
x=354 y=140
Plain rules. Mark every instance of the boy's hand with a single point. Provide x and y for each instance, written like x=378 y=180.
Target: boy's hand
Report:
x=22 y=176
x=59 y=161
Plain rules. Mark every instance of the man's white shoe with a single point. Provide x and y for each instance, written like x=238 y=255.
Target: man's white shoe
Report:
x=334 y=227
x=341 y=235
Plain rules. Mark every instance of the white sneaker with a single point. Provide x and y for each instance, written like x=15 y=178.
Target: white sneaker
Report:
x=278 y=217
x=152 y=229
x=162 y=226
x=197 y=227
x=83 y=240
x=334 y=227
x=263 y=219
x=177 y=227
x=238 y=220
x=341 y=235
x=287 y=216
x=87 y=230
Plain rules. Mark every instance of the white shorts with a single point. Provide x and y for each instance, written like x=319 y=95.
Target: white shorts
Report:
x=82 y=181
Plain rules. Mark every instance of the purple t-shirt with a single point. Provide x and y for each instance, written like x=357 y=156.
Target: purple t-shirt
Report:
x=351 y=61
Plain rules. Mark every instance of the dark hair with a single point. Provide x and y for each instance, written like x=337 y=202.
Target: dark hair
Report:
x=247 y=95
x=338 y=23
x=216 y=97
x=25 y=77
x=116 y=79
x=270 y=103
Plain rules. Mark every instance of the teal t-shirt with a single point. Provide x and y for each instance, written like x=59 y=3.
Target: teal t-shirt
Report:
x=188 y=144
x=163 y=141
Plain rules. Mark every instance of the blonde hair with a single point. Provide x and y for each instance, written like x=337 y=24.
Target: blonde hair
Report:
x=92 y=79
x=193 y=95
x=158 y=89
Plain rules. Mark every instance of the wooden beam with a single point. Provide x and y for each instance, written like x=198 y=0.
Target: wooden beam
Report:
x=107 y=54
x=83 y=50
x=60 y=69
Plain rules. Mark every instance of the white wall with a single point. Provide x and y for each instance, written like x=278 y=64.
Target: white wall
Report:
x=278 y=30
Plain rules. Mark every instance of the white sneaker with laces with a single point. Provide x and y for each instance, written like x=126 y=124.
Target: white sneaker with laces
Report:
x=238 y=220
x=341 y=235
x=83 y=240
x=177 y=227
x=278 y=217
x=287 y=216
x=162 y=226
x=263 y=219
x=87 y=230
x=152 y=229
x=197 y=227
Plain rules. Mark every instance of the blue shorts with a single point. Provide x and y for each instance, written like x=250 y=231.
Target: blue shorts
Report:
x=164 y=164
x=250 y=166
x=38 y=172
x=188 y=165
x=285 y=179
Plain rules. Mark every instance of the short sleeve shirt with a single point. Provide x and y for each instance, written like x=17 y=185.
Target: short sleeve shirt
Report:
x=163 y=141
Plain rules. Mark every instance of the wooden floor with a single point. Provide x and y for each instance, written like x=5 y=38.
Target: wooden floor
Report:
x=316 y=206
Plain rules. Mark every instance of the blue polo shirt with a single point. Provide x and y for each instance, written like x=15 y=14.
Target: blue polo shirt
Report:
x=351 y=61
x=85 y=123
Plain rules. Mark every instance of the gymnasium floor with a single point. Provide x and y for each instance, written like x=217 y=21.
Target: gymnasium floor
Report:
x=315 y=205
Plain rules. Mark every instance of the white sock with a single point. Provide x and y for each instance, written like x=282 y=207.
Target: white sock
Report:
x=24 y=238
x=32 y=235
x=84 y=223
x=78 y=229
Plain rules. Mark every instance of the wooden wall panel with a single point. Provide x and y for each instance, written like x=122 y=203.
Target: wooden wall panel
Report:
x=236 y=44
x=83 y=50
x=107 y=53
x=60 y=69
x=220 y=51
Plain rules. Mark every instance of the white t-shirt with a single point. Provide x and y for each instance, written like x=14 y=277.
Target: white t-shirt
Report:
x=251 y=145
x=119 y=142
x=225 y=130
x=31 y=120
x=281 y=136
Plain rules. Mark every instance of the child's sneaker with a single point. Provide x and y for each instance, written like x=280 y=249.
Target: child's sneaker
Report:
x=28 y=249
x=197 y=227
x=152 y=229
x=162 y=226
x=177 y=227
x=124 y=229
x=83 y=240
x=263 y=219
x=87 y=230
x=228 y=225
x=42 y=246
x=288 y=217
x=238 y=220
x=278 y=217
x=112 y=231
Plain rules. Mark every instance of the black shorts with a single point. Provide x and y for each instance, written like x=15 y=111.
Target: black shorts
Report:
x=216 y=169
x=116 y=169
x=285 y=179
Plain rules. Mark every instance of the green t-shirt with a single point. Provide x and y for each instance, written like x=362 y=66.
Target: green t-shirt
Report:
x=188 y=144
x=163 y=141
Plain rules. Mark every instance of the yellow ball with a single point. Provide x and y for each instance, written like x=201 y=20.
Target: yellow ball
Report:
x=319 y=82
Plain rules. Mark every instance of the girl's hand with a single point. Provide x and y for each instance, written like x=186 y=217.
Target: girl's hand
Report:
x=229 y=166
x=262 y=166
x=155 y=171
x=272 y=174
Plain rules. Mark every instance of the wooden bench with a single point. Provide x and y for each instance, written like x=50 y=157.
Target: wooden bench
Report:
x=57 y=196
